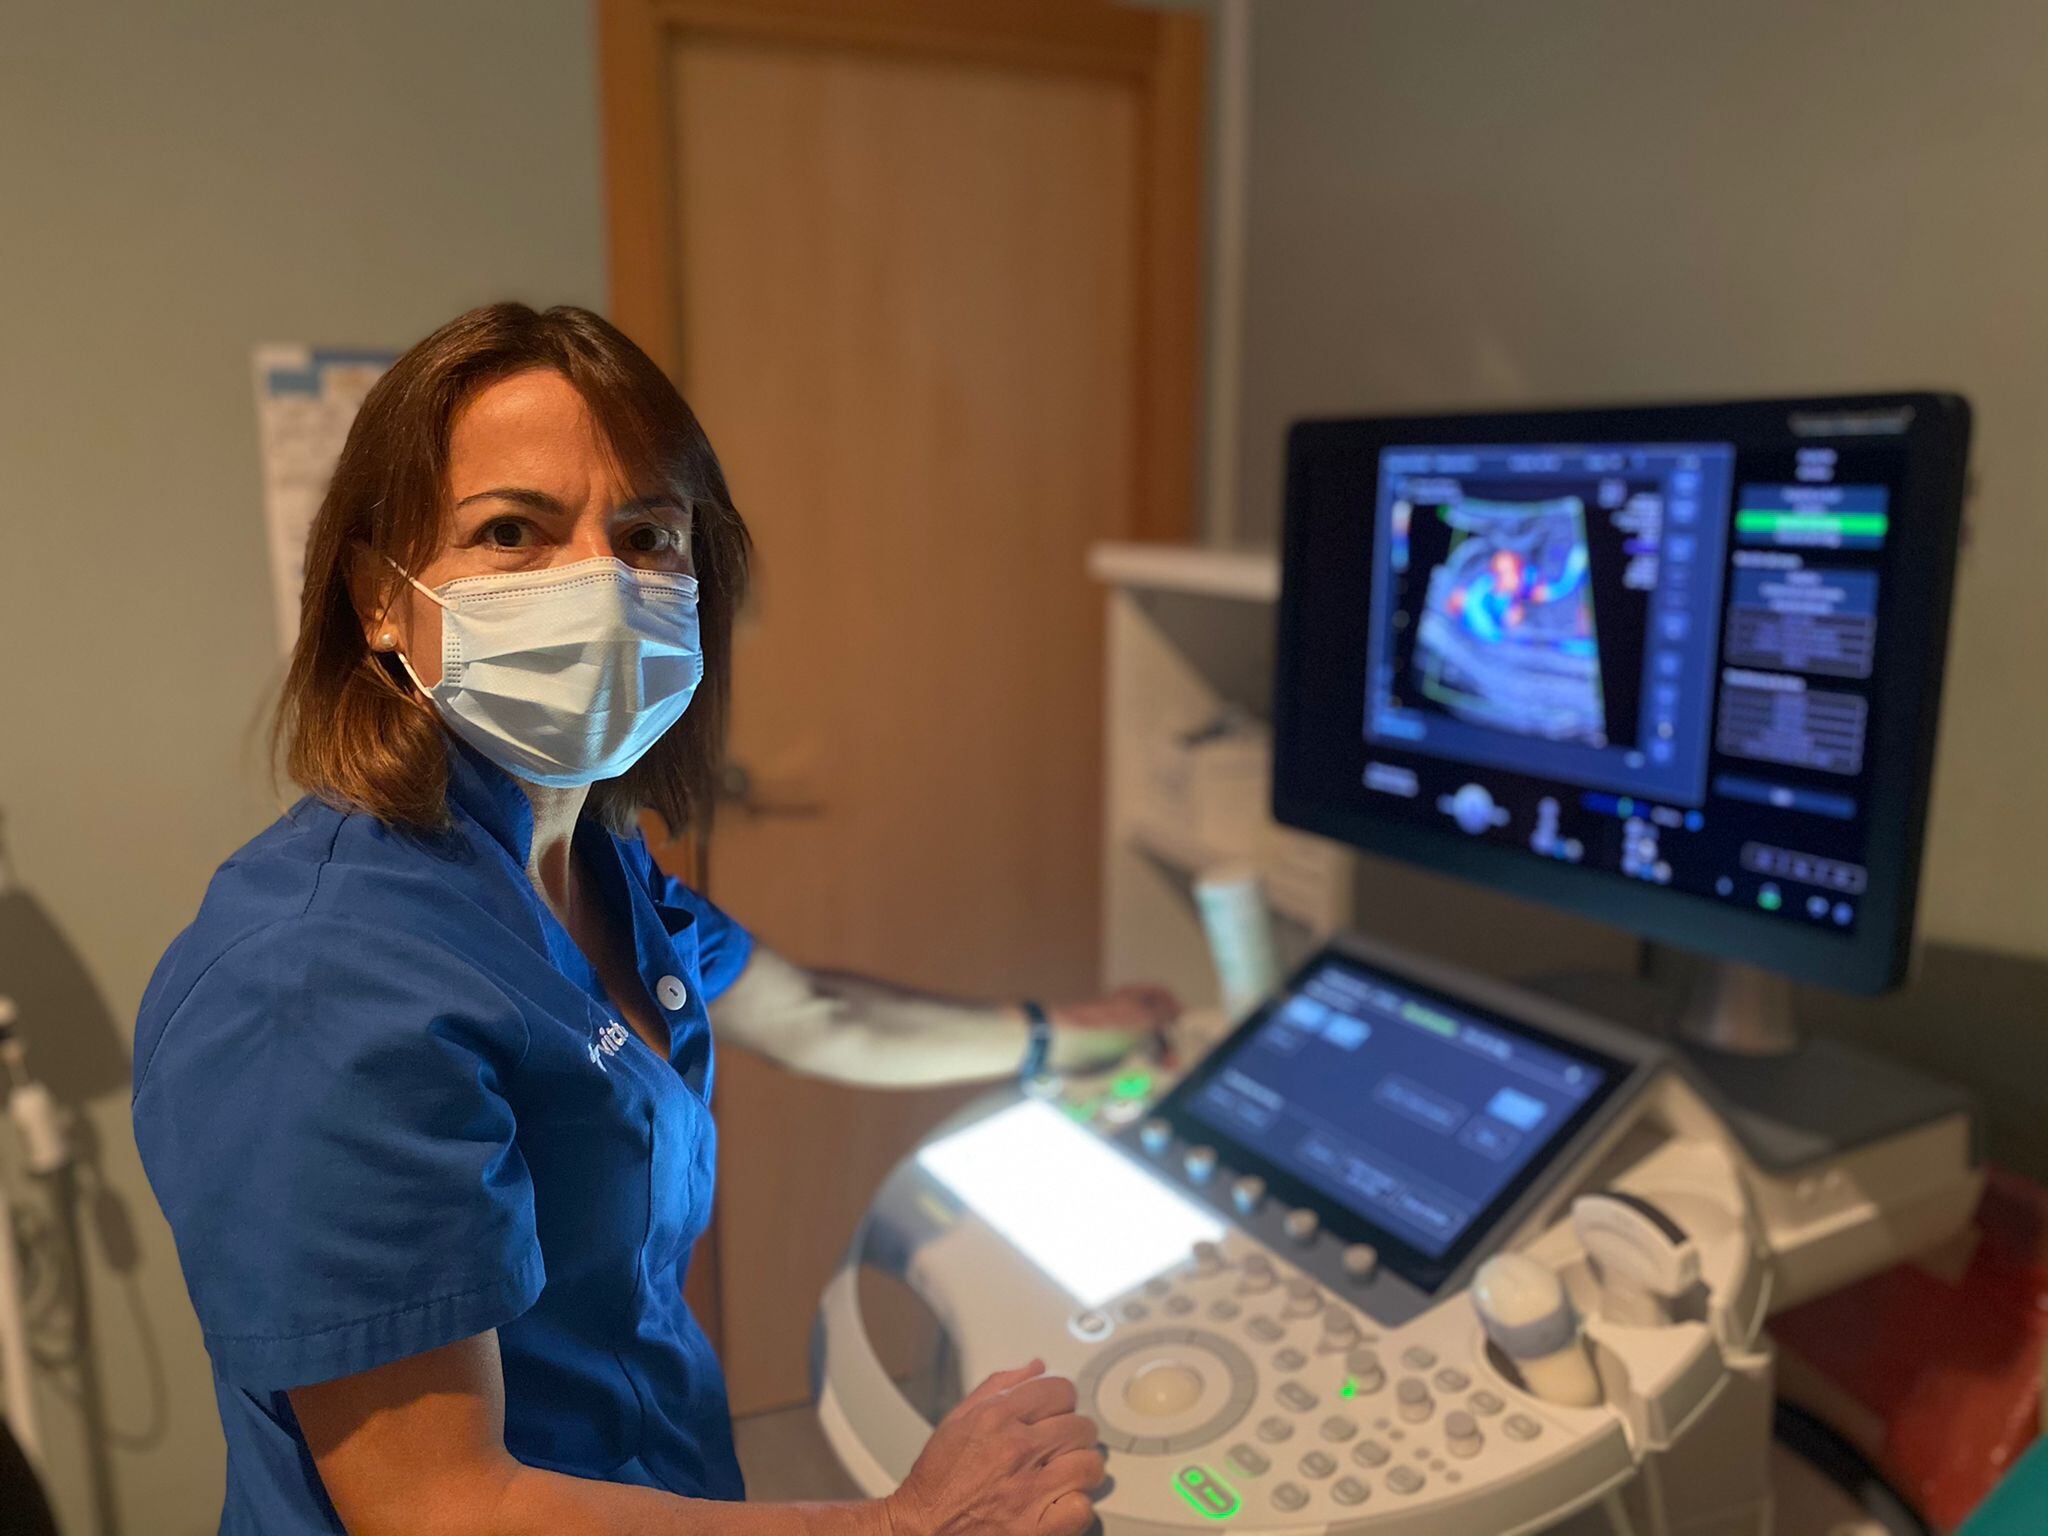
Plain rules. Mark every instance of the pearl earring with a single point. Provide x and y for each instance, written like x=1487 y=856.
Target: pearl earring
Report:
x=387 y=640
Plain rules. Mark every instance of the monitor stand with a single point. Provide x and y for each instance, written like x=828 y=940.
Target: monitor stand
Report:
x=1791 y=1101
x=1736 y=1010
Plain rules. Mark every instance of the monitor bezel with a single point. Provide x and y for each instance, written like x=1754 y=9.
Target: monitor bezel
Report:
x=1625 y=1070
x=1934 y=430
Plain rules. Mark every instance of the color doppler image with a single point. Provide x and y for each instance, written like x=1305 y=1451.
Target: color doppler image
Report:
x=1507 y=635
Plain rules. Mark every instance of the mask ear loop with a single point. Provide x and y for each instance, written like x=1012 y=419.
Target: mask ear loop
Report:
x=431 y=596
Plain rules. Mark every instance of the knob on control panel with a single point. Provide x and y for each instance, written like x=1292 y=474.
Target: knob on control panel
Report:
x=1247 y=1193
x=1303 y=1300
x=1361 y=1261
x=1461 y=1434
x=1199 y=1163
x=1365 y=1368
x=1300 y=1225
x=1155 y=1136
x=1415 y=1402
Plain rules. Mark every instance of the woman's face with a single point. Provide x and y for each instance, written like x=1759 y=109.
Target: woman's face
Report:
x=531 y=485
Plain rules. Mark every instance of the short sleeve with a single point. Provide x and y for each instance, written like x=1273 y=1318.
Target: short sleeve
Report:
x=324 y=1120
x=723 y=945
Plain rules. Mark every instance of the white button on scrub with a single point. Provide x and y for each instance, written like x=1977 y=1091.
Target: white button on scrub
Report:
x=671 y=992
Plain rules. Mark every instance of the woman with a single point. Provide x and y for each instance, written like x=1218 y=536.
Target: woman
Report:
x=423 y=1088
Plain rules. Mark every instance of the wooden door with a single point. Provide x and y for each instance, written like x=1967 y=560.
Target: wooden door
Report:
x=912 y=299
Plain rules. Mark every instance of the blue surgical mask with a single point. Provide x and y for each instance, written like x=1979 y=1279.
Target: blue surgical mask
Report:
x=568 y=675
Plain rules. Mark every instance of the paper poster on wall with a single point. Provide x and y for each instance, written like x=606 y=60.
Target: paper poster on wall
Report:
x=305 y=399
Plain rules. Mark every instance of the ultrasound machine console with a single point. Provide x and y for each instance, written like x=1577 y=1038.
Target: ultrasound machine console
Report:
x=1409 y=1249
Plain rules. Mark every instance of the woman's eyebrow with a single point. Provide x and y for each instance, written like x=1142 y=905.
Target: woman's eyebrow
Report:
x=539 y=501
x=658 y=503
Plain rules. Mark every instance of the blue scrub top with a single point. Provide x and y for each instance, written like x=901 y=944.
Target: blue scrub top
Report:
x=386 y=1105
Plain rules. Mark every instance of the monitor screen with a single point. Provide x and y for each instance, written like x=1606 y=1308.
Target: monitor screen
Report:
x=1414 y=1117
x=1624 y=657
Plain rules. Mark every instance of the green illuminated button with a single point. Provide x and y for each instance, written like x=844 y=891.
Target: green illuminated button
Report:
x=1770 y=898
x=1430 y=1019
x=1132 y=1085
x=1206 y=1493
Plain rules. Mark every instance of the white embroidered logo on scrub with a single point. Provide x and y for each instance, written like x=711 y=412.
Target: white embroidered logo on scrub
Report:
x=609 y=1042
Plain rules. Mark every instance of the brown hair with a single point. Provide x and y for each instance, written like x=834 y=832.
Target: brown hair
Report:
x=350 y=728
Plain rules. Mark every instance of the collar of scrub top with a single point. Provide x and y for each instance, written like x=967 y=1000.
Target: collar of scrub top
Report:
x=663 y=941
x=492 y=798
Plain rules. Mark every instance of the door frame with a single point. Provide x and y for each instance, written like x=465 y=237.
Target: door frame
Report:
x=1165 y=53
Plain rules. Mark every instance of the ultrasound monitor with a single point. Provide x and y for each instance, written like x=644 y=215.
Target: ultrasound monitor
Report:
x=1675 y=668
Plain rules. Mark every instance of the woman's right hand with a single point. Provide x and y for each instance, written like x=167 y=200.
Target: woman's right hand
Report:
x=1013 y=1459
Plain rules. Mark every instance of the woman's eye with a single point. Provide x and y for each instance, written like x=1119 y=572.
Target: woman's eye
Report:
x=506 y=533
x=655 y=539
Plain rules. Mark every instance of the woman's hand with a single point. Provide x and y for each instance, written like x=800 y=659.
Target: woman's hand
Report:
x=1013 y=1459
x=417 y=1448
x=1135 y=1010
x=1098 y=1034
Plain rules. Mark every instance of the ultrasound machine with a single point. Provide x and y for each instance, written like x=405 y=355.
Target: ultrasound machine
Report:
x=1412 y=1250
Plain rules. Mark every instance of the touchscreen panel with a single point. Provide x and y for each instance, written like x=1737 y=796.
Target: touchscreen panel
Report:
x=1080 y=1210
x=1420 y=1117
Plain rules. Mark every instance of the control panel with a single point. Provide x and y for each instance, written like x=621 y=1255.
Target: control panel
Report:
x=1404 y=1251
x=1246 y=1387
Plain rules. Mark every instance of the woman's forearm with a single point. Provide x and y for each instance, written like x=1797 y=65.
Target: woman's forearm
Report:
x=856 y=1030
x=415 y=1447
x=532 y=1502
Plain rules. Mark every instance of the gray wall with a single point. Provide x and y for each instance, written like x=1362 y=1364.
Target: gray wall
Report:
x=1465 y=201
x=177 y=183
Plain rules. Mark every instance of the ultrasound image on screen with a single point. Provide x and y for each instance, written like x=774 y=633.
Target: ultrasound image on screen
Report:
x=1536 y=609
x=1525 y=614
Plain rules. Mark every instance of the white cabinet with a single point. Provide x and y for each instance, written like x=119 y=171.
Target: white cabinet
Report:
x=1190 y=658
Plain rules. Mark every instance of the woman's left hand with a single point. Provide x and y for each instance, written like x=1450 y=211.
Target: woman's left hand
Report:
x=1093 y=1035
x=1134 y=1010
